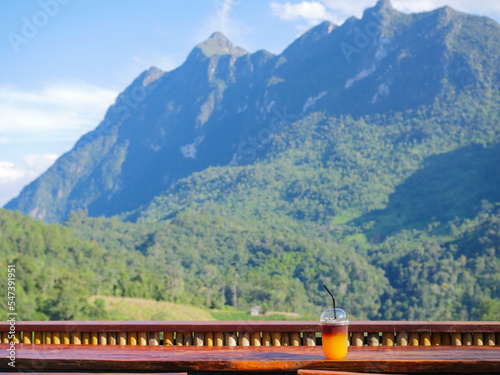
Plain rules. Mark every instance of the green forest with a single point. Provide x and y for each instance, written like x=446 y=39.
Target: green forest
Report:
x=399 y=214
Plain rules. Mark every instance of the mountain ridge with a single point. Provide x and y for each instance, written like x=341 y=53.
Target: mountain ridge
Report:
x=201 y=113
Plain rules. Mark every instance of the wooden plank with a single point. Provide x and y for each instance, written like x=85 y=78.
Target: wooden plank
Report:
x=84 y=358
x=93 y=373
x=325 y=372
x=260 y=326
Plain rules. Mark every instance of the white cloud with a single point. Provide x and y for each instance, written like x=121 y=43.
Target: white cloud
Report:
x=14 y=177
x=311 y=11
x=222 y=21
x=9 y=173
x=58 y=111
x=61 y=106
x=338 y=11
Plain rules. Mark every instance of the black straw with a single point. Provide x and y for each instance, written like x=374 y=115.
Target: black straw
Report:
x=333 y=298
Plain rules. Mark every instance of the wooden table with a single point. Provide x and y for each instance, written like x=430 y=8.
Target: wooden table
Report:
x=83 y=358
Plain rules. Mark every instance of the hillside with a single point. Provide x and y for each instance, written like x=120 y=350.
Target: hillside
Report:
x=223 y=104
x=367 y=162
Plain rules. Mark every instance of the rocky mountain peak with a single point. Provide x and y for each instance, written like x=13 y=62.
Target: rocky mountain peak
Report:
x=383 y=5
x=218 y=44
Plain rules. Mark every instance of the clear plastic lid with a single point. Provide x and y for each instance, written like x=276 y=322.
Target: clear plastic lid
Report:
x=331 y=316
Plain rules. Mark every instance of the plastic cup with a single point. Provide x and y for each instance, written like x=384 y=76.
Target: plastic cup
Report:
x=334 y=333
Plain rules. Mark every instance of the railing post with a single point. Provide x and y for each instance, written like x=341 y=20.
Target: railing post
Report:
x=456 y=339
x=436 y=338
x=467 y=339
x=112 y=338
x=56 y=338
x=142 y=338
x=266 y=339
x=209 y=339
x=402 y=339
x=446 y=338
x=285 y=336
x=219 y=339
x=154 y=338
x=276 y=338
x=122 y=338
x=310 y=338
x=373 y=339
x=103 y=338
x=256 y=340
x=38 y=337
x=425 y=339
x=168 y=338
x=295 y=338
x=198 y=339
x=478 y=339
x=388 y=338
x=132 y=338
x=489 y=338
x=414 y=339
x=26 y=337
x=358 y=339
x=244 y=339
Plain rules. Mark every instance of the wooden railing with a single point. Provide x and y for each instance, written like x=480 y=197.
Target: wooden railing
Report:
x=251 y=333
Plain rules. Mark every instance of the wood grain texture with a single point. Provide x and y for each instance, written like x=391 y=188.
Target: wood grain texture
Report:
x=326 y=372
x=280 y=359
x=92 y=373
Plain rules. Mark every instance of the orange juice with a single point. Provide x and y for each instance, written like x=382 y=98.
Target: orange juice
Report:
x=335 y=340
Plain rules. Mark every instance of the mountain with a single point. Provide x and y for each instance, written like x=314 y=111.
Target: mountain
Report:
x=216 y=107
x=365 y=157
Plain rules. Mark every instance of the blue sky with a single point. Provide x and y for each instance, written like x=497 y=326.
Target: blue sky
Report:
x=65 y=61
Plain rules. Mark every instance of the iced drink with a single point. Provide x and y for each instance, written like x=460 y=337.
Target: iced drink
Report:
x=334 y=333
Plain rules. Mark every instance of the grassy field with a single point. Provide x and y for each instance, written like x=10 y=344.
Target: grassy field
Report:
x=123 y=308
